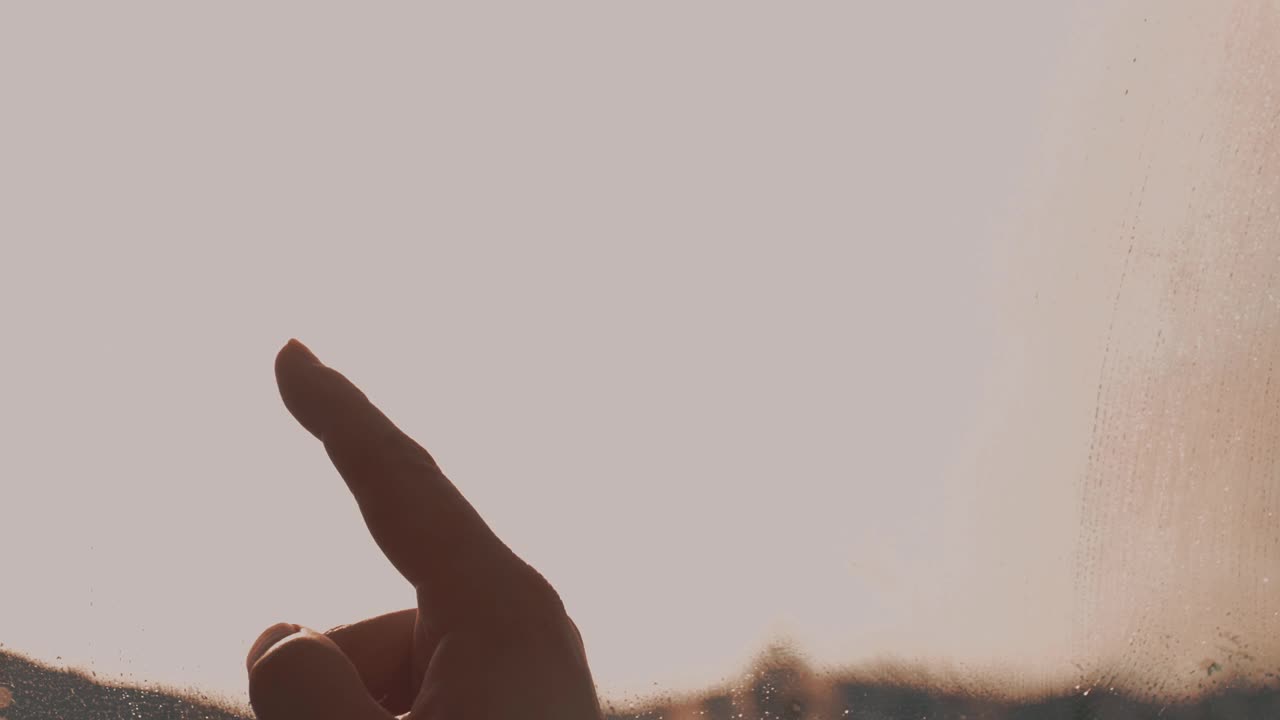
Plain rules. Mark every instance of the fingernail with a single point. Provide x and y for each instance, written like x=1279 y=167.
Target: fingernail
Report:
x=268 y=640
x=297 y=346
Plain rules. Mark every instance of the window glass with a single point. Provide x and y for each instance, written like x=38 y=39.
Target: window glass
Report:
x=839 y=357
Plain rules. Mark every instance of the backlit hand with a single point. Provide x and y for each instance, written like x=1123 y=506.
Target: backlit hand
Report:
x=489 y=637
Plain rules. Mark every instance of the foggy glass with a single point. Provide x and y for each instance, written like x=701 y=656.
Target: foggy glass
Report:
x=831 y=360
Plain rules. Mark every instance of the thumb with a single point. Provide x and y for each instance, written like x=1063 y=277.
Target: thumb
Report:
x=297 y=673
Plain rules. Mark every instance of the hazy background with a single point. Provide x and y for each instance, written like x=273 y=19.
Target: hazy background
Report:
x=730 y=318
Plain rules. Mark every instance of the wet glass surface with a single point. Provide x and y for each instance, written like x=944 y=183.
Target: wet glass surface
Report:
x=831 y=362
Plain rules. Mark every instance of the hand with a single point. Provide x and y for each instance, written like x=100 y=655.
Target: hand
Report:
x=489 y=637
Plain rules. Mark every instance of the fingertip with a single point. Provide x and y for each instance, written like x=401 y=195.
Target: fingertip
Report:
x=294 y=357
x=299 y=377
x=304 y=674
x=320 y=398
x=269 y=638
x=296 y=347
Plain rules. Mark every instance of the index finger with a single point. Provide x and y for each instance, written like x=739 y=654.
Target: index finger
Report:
x=419 y=519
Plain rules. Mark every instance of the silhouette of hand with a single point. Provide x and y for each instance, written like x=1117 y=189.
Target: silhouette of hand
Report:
x=489 y=637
